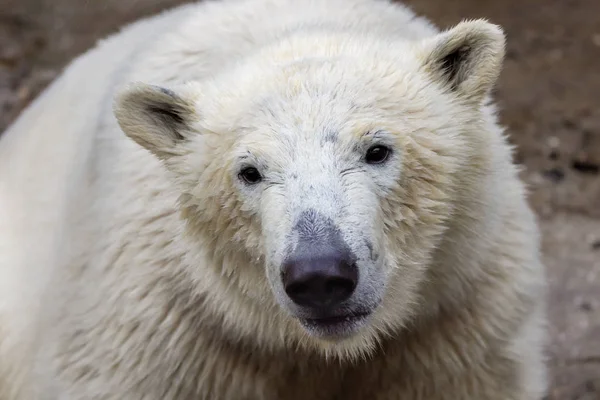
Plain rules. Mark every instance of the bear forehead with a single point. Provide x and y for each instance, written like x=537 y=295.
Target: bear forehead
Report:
x=322 y=68
x=317 y=95
x=315 y=79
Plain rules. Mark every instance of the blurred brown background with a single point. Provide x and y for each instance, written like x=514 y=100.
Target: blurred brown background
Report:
x=549 y=95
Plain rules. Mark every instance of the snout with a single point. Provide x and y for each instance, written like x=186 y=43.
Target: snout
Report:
x=320 y=278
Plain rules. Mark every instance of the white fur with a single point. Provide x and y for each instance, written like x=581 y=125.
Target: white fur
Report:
x=136 y=264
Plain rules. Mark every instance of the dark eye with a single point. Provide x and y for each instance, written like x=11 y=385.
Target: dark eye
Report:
x=377 y=154
x=250 y=175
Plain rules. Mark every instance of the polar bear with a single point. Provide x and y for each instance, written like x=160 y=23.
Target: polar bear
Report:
x=271 y=199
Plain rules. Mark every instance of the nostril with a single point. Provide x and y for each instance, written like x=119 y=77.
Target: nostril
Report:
x=339 y=288
x=297 y=290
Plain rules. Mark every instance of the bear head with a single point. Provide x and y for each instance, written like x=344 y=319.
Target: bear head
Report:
x=319 y=175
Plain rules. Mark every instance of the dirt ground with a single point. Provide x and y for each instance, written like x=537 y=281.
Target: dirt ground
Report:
x=549 y=94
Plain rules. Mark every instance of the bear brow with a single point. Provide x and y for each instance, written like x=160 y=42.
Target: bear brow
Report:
x=330 y=136
x=371 y=133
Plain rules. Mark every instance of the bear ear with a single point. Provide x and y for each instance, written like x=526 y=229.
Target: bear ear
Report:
x=467 y=58
x=155 y=117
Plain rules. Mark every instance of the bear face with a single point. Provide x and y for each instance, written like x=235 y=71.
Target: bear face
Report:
x=331 y=167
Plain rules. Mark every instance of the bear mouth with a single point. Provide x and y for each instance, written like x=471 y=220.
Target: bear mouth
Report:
x=338 y=326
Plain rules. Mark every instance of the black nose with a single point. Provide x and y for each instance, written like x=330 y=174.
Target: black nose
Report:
x=320 y=278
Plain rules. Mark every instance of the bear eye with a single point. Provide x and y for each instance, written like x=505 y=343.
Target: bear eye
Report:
x=377 y=154
x=250 y=175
